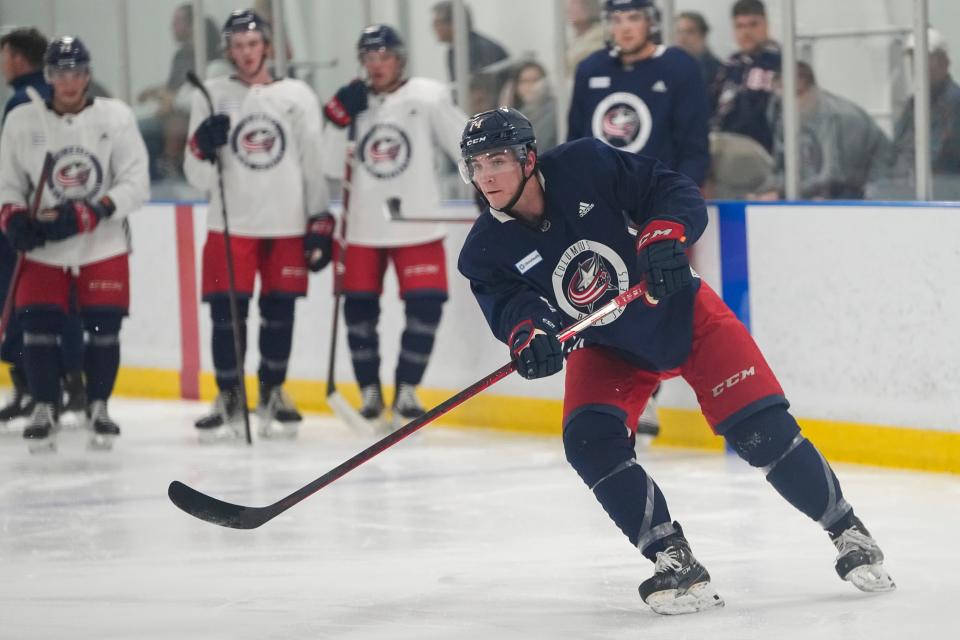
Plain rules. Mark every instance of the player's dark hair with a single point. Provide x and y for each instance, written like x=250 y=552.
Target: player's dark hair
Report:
x=749 y=8
x=698 y=21
x=29 y=43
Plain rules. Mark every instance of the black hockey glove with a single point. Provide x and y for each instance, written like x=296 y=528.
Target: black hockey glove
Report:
x=22 y=232
x=318 y=241
x=347 y=103
x=69 y=218
x=210 y=136
x=536 y=353
x=661 y=258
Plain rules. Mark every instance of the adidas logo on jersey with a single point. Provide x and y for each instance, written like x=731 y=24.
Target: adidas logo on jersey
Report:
x=659 y=87
x=585 y=208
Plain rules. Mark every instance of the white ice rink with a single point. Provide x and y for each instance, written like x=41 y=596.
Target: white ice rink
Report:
x=456 y=534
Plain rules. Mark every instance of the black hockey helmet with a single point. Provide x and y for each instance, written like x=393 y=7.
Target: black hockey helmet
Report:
x=645 y=6
x=494 y=132
x=66 y=53
x=381 y=37
x=243 y=20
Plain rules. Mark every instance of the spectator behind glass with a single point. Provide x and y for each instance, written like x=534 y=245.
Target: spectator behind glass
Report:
x=841 y=148
x=482 y=51
x=690 y=34
x=165 y=131
x=529 y=92
x=583 y=16
x=742 y=93
x=944 y=116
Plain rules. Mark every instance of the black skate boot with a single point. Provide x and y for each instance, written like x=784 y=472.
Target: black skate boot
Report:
x=679 y=584
x=74 y=392
x=372 y=406
x=40 y=431
x=276 y=413
x=104 y=429
x=21 y=404
x=406 y=406
x=860 y=560
x=225 y=422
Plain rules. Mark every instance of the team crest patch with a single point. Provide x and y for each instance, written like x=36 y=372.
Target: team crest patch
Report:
x=258 y=141
x=623 y=121
x=385 y=151
x=76 y=175
x=588 y=276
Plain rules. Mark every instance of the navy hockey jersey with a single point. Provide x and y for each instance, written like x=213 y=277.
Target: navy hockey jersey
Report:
x=658 y=107
x=743 y=91
x=582 y=253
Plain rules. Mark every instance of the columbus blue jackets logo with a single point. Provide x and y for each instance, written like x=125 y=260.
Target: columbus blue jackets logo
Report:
x=258 y=141
x=76 y=175
x=588 y=276
x=623 y=121
x=385 y=151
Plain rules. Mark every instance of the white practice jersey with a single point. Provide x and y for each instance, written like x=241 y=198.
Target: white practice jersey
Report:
x=97 y=152
x=272 y=177
x=396 y=142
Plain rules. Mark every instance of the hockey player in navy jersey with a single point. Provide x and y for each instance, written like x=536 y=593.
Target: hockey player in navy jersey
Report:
x=566 y=232
x=641 y=96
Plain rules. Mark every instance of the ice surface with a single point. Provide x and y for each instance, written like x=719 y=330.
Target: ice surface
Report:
x=456 y=534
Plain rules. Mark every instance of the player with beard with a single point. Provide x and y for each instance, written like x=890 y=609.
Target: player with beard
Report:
x=79 y=240
x=558 y=242
x=267 y=134
x=398 y=123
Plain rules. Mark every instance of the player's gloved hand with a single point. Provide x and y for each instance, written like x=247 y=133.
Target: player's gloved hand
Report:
x=69 y=218
x=661 y=258
x=318 y=241
x=347 y=103
x=22 y=233
x=210 y=136
x=536 y=352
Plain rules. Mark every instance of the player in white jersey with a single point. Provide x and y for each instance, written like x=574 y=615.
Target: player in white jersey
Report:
x=269 y=132
x=398 y=123
x=79 y=239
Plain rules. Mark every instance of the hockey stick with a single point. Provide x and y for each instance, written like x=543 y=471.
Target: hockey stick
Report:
x=341 y=408
x=236 y=516
x=231 y=280
x=45 y=172
x=395 y=214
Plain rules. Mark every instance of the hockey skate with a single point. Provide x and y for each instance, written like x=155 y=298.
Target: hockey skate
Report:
x=42 y=429
x=860 y=560
x=19 y=409
x=371 y=409
x=225 y=421
x=277 y=415
x=103 y=429
x=679 y=584
x=406 y=406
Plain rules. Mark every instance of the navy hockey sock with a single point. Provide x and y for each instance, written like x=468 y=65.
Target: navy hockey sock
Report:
x=224 y=358
x=72 y=343
x=361 y=315
x=771 y=440
x=42 y=328
x=600 y=447
x=101 y=354
x=276 y=338
x=416 y=343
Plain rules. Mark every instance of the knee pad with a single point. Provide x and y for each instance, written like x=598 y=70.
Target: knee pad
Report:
x=425 y=311
x=597 y=445
x=765 y=437
x=277 y=308
x=38 y=320
x=361 y=311
x=102 y=323
x=220 y=310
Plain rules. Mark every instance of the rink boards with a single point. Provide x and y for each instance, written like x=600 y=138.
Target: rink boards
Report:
x=855 y=306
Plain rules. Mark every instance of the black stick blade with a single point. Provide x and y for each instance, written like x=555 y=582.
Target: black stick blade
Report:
x=225 y=514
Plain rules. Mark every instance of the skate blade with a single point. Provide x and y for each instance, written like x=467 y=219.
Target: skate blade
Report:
x=699 y=597
x=872 y=578
x=223 y=433
x=101 y=442
x=42 y=446
x=274 y=430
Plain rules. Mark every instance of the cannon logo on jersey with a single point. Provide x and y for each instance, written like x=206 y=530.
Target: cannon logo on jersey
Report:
x=589 y=275
x=623 y=121
x=258 y=141
x=385 y=151
x=76 y=175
